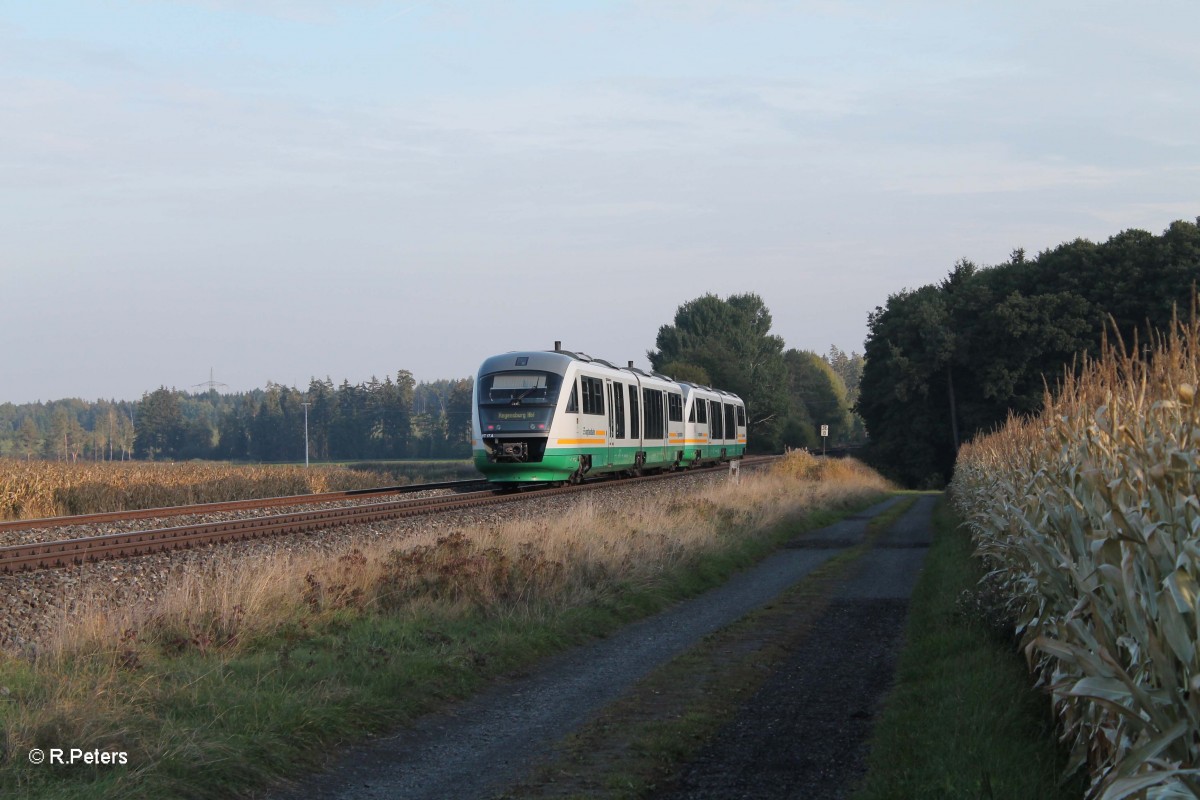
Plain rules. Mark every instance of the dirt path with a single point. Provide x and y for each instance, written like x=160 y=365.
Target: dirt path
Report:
x=804 y=733
x=483 y=747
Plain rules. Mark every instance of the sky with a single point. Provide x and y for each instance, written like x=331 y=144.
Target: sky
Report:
x=277 y=190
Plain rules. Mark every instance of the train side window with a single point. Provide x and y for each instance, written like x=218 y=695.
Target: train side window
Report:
x=674 y=407
x=654 y=400
x=593 y=395
x=573 y=402
x=692 y=413
x=741 y=417
x=730 y=425
x=715 y=416
x=635 y=417
x=648 y=412
x=702 y=412
x=619 y=409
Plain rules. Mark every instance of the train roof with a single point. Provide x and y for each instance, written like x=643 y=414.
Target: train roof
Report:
x=529 y=359
x=704 y=388
x=557 y=360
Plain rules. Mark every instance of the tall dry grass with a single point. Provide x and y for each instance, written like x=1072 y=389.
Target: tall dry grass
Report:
x=517 y=567
x=1089 y=520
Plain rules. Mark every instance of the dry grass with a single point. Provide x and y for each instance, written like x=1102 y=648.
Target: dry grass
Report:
x=1088 y=516
x=516 y=567
x=30 y=489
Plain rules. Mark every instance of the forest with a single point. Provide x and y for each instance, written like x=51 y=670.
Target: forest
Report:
x=949 y=361
x=388 y=419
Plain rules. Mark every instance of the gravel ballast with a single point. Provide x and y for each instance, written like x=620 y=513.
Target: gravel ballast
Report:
x=34 y=604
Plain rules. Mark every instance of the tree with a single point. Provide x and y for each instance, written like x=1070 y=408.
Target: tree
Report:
x=848 y=367
x=321 y=413
x=64 y=430
x=160 y=427
x=349 y=431
x=731 y=341
x=126 y=435
x=815 y=387
x=683 y=371
x=233 y=430
x=458 y=418
x=29 y=438
x=907 y=387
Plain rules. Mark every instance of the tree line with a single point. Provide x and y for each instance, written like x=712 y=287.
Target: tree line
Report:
x=789 y=393
x=726 y=343
x=388 y=419
x=950 y=360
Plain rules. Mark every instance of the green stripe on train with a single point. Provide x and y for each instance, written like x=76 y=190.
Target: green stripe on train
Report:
x=559 y=463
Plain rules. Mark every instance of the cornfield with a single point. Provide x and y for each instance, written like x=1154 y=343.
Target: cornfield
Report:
x=31 y=489
x=1088 y=519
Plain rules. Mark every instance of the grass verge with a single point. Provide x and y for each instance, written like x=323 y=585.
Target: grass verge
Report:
x=962 y=720
x=254 y=671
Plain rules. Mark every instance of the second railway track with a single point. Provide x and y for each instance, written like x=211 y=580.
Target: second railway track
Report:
x=232 y=505
x=62 y=553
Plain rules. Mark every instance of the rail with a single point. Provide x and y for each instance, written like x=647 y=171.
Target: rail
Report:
x=63 y=553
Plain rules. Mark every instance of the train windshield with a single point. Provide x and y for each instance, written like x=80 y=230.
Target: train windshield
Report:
x=519 y=388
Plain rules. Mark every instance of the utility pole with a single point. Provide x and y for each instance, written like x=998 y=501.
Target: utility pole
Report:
x=306 y=405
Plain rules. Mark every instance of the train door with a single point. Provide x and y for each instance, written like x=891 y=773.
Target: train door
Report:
x=635 y=423
x=716 y=431
x=610 y=435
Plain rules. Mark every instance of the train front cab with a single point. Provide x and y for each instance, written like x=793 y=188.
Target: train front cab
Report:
x=560 y=416
x=518 y=400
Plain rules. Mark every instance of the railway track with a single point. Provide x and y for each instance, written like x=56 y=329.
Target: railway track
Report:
x=231 y=505
x=43 y=555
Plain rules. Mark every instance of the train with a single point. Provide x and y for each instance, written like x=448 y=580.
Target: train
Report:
x=557 y=417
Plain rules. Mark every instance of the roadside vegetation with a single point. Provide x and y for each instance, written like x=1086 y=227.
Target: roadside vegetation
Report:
x=244 y=673
x=962 y=719
x=30 y=489
x=1087 y=517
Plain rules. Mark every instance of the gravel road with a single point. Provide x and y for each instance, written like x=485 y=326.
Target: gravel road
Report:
x=481 y=746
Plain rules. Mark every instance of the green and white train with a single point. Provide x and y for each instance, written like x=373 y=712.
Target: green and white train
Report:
x=557 y=416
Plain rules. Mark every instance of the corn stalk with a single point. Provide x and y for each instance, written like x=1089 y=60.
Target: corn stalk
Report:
x=1088 y=517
